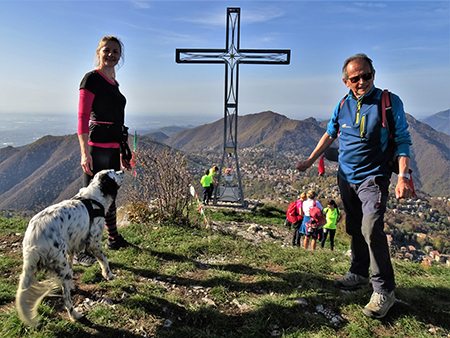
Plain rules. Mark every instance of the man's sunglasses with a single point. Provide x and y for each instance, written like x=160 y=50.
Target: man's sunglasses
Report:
x=365 y=77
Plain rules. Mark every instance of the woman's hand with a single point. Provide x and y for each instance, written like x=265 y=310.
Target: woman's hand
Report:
x=87 y=164
x=125 y=163
x=86 y=158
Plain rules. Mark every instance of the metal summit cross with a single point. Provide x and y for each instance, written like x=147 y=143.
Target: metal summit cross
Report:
x=232 y=56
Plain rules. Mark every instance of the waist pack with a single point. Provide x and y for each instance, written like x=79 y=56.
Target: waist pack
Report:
x=111 y=132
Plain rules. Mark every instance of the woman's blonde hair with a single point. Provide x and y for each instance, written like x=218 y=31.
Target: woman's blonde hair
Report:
x=102 y=42
x=311 y=194
x=302 y=196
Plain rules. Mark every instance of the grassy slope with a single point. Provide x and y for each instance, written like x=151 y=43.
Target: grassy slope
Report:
x=213 y=285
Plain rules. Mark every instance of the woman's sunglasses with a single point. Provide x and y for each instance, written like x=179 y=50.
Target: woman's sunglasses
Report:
x=365 y=77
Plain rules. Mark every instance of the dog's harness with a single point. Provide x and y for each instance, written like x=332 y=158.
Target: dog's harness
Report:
x=93 y=213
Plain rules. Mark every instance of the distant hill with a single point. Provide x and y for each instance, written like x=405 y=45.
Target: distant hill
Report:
x=430 y=157
x=41 y=173
x=269 y=130
x=44 y=172
x=158 y=136
x=431 y=149
x=7 y=152
x=439 y=121
x=170 y=130
x=164 y=133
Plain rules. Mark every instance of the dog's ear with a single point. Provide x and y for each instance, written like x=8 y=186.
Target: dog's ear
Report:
x=108 y=186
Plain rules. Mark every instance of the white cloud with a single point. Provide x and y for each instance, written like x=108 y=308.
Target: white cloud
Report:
x=247 y=17
x=370 y=4
x=140 y=4
x=261 y=15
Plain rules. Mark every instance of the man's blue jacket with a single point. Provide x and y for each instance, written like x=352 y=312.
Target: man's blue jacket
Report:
x=362 y=138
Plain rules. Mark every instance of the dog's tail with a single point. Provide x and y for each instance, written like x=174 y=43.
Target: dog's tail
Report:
x=30 y=292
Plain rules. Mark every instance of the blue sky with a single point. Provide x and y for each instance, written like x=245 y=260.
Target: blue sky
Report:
x=47 y=47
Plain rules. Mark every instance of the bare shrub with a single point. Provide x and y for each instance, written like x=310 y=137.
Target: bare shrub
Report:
x=160 y=190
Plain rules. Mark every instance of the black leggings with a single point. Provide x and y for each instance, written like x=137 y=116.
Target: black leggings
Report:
x=297 y=235
x=324 y=237
x=105 y=158
x=102 y=158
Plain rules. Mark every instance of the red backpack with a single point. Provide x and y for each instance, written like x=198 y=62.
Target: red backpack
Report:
x=292 y=213
x=317 y=215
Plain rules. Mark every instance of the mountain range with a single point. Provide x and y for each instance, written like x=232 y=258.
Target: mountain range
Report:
x=42 y=173
x=439 y=121
x=268 y=130
x=430 y=160
x=48 y=170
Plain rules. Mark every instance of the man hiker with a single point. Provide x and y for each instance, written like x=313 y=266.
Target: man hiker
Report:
x=363 y=178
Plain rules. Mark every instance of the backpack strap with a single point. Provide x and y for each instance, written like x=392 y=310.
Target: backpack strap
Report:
x=387 y=121
x=385 y=106
x=342 y=101
x=340 y=106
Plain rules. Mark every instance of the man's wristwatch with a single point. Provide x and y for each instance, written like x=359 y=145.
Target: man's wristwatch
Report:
x=408 y=176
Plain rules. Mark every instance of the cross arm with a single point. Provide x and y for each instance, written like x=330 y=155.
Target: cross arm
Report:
x=264 y=56
x=189 y=55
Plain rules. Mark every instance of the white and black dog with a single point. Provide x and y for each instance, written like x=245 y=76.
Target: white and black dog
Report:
x=55 y=235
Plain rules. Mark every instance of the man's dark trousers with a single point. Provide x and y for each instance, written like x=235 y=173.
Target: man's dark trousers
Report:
x=365 y=205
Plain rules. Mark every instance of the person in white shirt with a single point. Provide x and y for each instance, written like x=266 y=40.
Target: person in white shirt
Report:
x=311 y=233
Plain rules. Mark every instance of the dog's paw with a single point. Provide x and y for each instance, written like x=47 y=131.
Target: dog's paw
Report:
x=110 y=276
x=75 y=315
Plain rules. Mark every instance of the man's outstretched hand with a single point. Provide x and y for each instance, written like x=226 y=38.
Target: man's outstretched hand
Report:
x=303 y=165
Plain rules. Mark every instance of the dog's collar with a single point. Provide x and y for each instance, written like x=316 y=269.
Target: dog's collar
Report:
x=93 y=213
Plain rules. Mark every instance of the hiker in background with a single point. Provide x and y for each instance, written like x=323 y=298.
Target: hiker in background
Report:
x=310 y=232
x=333 y=215
x=213 y=172
x=102 y=106
x=291 y=215
x=287 y=223
x=206 y=183
x=297 y=235
x=363 y=178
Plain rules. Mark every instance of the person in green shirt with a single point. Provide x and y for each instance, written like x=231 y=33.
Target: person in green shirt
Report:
x=206 y=182
x=333 y=215
x=213 y=172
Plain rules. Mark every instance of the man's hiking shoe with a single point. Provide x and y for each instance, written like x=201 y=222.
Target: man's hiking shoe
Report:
x=84 y=259
x=351 y=281
x=117 y=243
x=379 y=304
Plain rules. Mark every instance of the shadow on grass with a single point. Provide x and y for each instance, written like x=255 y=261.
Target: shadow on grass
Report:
x=273 y=315
x=427 y=305
x=227 y=320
